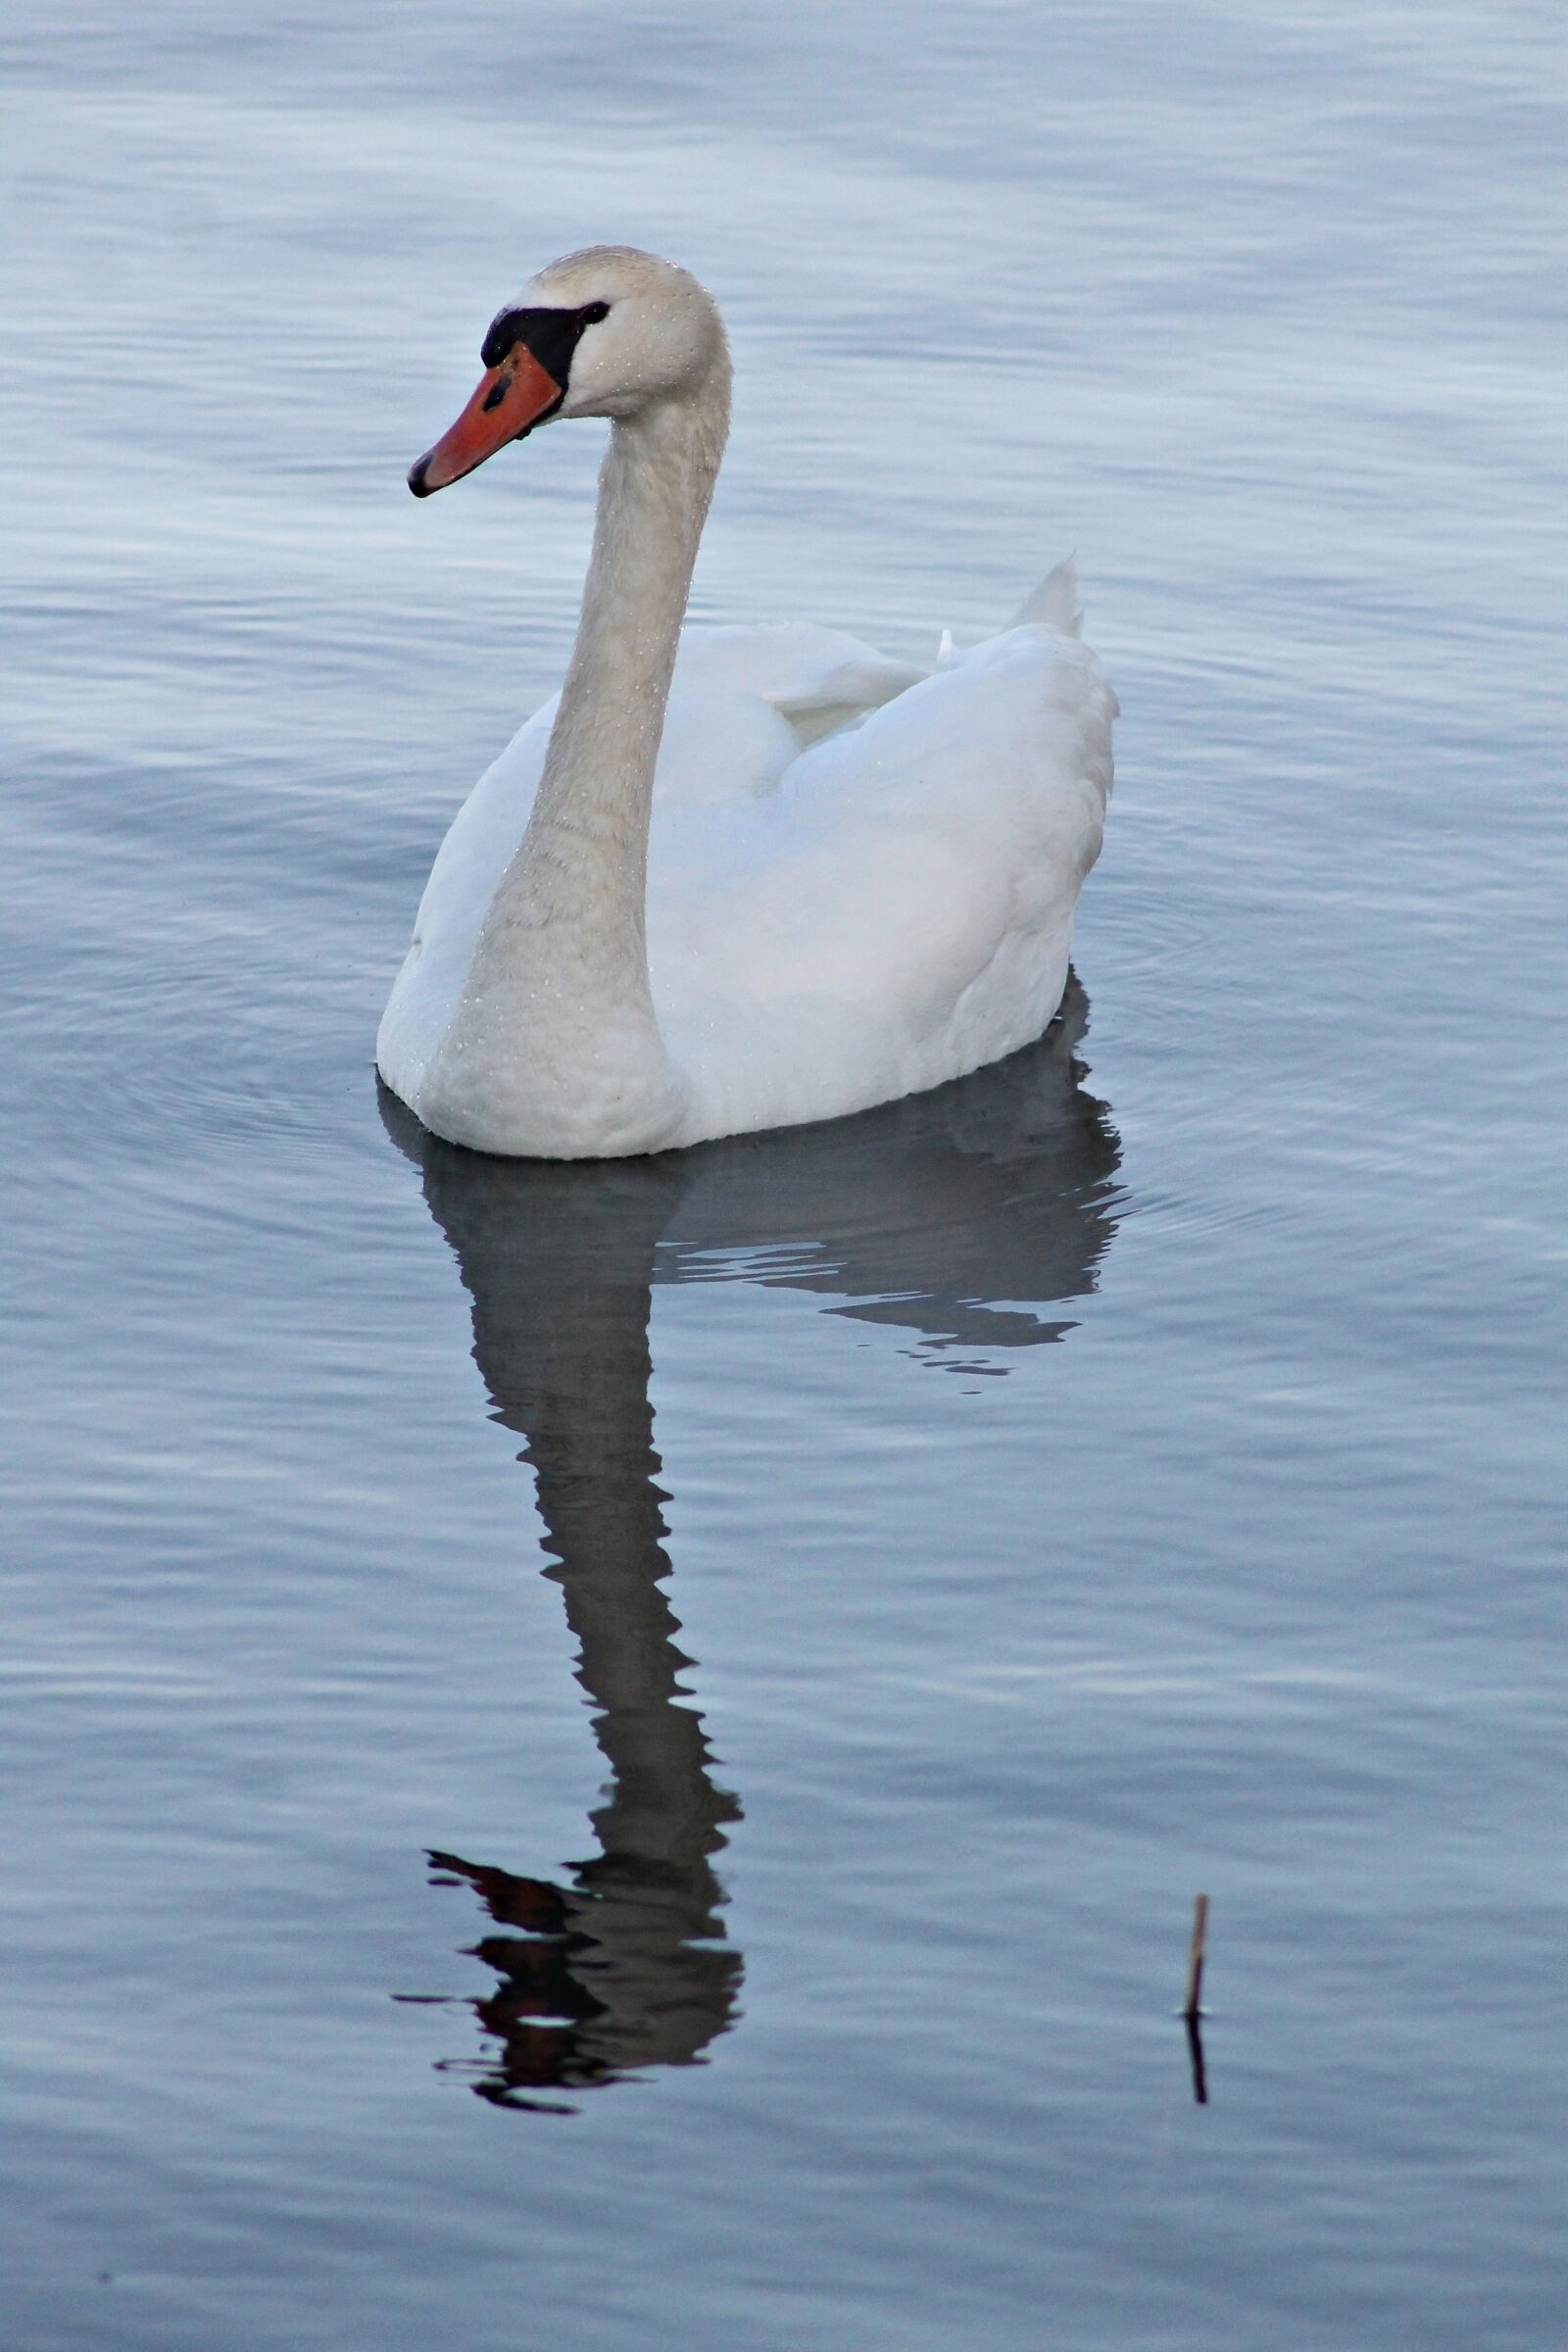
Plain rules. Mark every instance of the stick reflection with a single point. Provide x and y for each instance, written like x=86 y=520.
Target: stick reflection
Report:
x=1194 y=2052
x=956 y=1215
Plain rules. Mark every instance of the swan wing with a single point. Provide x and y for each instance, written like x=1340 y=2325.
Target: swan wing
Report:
x=898 y=909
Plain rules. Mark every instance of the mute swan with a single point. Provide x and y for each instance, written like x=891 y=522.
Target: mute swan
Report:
x=797 y=915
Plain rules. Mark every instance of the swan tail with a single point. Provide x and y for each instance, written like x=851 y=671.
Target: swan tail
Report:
x=1053 y=603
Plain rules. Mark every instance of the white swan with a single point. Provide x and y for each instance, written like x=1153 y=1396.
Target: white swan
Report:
x=694 y=897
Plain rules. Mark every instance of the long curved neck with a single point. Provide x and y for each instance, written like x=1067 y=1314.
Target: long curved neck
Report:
x=587 y=839
x=557 y=1005
x=552 y=1048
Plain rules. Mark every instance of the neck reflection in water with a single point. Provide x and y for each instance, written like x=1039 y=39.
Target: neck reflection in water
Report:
x=958 y=1215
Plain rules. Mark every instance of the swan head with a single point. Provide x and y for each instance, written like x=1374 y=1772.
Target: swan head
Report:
x=607 y=332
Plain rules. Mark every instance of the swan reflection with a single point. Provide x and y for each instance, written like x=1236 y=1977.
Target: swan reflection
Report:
x=967 y=1216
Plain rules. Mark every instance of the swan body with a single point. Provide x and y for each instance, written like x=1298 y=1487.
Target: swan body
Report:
x=731 y=878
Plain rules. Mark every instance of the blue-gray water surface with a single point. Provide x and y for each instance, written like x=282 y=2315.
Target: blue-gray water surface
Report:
x=621 y=1756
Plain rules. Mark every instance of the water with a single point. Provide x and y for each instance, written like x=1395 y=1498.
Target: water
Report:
x=725 y=1879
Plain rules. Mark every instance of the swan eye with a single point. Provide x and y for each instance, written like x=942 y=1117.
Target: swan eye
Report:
x=593 y=313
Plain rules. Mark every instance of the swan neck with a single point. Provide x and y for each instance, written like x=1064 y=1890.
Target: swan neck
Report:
x=556 y=1022
x=595 y=796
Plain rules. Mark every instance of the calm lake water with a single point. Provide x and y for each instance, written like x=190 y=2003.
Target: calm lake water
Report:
x=621 y=1758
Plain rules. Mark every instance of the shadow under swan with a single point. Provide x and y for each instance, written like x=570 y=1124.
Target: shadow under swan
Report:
x=958 y=1215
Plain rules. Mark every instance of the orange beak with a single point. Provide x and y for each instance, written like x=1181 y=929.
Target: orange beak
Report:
x=508 y=402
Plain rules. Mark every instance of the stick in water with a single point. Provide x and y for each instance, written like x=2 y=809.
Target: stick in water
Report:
x=1195 y=1958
